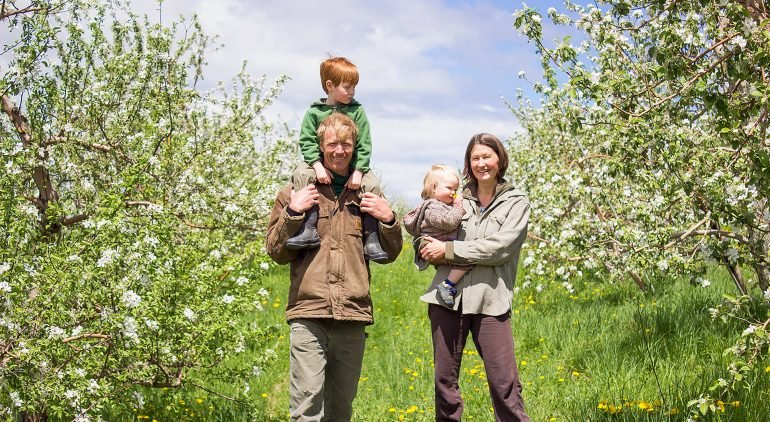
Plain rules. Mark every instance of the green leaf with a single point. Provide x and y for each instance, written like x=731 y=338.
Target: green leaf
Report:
x=703 y=408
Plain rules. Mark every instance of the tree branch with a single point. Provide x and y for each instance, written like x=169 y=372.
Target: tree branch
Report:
x=688 y=232
x=713 y=232
x=87 y=335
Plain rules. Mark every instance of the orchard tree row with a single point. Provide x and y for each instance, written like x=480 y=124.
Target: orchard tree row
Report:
x=131 y=208
x=649 y=155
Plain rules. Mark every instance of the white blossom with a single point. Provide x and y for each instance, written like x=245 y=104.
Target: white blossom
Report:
x=139 y=399
x=241 y=281
x=228 y=299
x=73 y=396
x=568 y=286
x=14 y=395
x=189 y=314
x=265 y=266
x=77 y=330
x=129 y=329
x=55 y=332
x=5 y=287
x=131 y=299
x=4 y=267
x=739 y=41
x=108 y=256
x=151 y=324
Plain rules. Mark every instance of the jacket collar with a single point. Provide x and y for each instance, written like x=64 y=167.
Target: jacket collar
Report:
x=471 y=190
x=322 y=103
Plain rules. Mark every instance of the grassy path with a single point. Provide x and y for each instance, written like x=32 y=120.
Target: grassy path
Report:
x=604 y=352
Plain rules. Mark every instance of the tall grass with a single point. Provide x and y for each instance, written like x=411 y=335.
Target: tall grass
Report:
x=604 y=352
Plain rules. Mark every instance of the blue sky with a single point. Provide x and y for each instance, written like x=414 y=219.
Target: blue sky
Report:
x=432 y=71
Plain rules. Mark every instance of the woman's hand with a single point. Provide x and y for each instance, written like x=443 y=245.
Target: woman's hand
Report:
x=434 y=251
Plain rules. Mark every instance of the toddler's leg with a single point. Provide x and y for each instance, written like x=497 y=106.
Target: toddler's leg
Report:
x=446 y=289
x=372 y=249
x=307 y=236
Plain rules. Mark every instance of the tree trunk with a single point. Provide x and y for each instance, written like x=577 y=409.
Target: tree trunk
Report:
x=759 y=242
x=34 y=417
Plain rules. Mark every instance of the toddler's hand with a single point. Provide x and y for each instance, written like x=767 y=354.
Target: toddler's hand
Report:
x=322 y=174
x=458 y=201
x=354 y=182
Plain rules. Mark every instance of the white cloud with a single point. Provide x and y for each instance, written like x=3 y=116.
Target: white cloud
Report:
x=432 y=71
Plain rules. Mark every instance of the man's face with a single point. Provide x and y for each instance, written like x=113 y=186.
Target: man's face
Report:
x=337 y=153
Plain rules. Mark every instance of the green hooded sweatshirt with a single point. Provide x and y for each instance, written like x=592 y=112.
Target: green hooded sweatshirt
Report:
x=308 y=138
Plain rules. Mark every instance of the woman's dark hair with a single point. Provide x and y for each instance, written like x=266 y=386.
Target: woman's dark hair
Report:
x=492 y=142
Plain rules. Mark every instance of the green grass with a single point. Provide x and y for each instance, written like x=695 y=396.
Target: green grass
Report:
x=578 y=354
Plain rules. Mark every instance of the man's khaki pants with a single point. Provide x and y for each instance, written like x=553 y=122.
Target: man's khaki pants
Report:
x=324 y=368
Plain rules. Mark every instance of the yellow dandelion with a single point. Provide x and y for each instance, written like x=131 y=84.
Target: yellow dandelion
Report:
x=199 y=401
x=645 y=406
x=412 y=409
x=264 y=395
x=392 y=410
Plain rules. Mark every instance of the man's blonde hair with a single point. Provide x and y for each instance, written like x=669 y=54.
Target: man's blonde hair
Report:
x=437 y=173
x=338 y=70
x=344 y=127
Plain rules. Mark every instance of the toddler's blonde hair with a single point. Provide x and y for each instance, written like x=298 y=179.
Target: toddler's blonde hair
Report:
x=436 y=173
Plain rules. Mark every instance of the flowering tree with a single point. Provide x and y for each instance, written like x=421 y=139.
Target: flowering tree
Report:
x=131 y=207
x=650 y=155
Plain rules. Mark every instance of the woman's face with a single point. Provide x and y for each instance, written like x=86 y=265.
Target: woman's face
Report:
x=484 y=164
